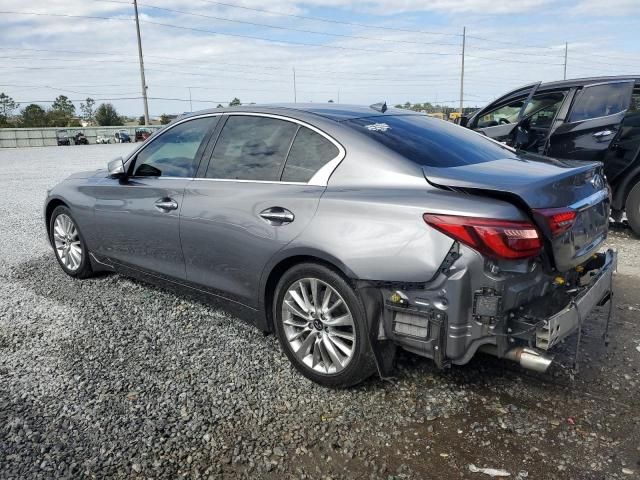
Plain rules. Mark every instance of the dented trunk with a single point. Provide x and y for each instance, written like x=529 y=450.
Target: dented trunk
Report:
x=568 y=200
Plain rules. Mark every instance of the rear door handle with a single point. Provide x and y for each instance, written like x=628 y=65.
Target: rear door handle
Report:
x=166 y=204
x=277 y=216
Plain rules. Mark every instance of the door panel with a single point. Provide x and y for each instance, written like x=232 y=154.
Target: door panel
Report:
x=133 y=230
x=226 y=241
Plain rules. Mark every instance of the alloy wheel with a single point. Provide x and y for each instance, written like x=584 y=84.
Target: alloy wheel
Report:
x=318 y=325
x=67 y=242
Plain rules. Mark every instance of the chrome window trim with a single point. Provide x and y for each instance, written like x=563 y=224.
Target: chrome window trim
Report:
x=319 y=179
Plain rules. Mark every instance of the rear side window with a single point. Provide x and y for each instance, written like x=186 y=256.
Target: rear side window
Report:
x=429 y=141
x=601 y=100
x=173 y=153
x=309 y=153
x=251 y=148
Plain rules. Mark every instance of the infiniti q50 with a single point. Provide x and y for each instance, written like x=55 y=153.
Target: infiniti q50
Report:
x=350 y=232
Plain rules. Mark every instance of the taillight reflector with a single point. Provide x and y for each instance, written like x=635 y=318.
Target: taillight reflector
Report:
x=507 y=239
x=559 y=220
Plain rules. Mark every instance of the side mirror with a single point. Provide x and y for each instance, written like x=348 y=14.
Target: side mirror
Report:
x=462 y=121
x=116 y=168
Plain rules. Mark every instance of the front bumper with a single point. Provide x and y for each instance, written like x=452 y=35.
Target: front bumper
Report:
x=564 y=323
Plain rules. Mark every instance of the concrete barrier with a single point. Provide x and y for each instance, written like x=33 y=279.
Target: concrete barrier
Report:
x=42 y=137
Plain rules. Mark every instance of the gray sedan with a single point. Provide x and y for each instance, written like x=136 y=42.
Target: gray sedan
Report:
x=350 y=232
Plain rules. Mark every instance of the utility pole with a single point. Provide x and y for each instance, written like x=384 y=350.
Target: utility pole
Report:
x=144 y=83
x=464 y=41
x=295 y=93
x=338 y=95
x=190 y=104
x=566 y=51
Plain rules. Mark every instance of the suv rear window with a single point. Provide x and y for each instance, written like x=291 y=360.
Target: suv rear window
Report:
x=601 y=100
x=430 y=141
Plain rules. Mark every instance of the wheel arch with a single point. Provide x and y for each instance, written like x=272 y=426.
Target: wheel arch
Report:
x=282 y=263
x=52 y=204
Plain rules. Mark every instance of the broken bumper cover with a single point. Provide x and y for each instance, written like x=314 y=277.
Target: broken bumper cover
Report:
x=559 y=326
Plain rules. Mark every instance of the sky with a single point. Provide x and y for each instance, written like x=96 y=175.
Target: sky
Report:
x=350 y=52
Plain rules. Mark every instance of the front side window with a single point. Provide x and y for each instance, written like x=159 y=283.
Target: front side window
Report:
x=541 y=109
x=309 y=153
x=173 y=153
x=601 y=100
x=251 y=148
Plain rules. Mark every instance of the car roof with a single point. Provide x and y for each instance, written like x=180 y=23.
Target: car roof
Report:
x=331 y=111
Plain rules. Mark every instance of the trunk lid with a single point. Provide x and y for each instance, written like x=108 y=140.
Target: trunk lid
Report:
x=536 y=183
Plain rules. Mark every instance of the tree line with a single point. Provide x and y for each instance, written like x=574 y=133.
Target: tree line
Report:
x=62 y=113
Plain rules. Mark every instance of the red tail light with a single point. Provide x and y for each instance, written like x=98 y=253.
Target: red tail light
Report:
x=559 y=220
x=495 y=238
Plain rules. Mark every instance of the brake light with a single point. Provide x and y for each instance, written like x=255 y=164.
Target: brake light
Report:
x=507 y=239
x=559 y=220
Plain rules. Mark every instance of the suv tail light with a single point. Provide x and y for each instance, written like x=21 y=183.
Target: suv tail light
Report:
x=559 y=220
x=507 y=239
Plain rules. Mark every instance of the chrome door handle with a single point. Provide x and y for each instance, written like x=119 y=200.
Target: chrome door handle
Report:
x=603 y=133
x=166 y=204
x=277 y=215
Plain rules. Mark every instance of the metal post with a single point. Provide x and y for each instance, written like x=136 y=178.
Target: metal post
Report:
x=144 y=83
x=295 y=93
x=190 y=104
x=566 y=50
x=464 y=41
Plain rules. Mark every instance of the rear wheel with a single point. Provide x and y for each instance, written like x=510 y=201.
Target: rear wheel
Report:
x=68 y=244
x=632 y=207
x=320 y=323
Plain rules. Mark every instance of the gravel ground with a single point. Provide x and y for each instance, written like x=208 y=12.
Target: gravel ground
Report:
x=112 y=378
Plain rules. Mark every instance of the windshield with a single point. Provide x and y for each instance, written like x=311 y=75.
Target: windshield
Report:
x=430 y=141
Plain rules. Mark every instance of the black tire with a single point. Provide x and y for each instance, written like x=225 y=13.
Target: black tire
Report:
x=84 y=269
x=632 y=208
x=362 y=363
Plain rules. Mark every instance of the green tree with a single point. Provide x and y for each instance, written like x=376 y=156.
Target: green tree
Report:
x=106 y=115
x=235 y=102
x=7 y=106
x=87 y=109
x=33 y=116
x=164 y=119
x=219 y=106
x=330 y=101
x=141 y=120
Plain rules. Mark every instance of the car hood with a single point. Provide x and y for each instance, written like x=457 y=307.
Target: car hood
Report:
x=88 y=174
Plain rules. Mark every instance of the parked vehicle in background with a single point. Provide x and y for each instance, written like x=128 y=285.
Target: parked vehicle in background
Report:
x=350 y=231
x=62 y=137
x=80 y=139
x=103 y=137
x=585 y=119
x=122 y=136
x=142 y=134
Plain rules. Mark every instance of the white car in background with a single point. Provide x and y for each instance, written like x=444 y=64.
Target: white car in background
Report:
x=103 y=137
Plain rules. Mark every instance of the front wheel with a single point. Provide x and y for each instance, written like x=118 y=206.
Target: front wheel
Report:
x=68 y=244
x=321 y=325
x=632 y=208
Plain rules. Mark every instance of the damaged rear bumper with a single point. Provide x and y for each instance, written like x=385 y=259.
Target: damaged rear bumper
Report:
x=472 y=306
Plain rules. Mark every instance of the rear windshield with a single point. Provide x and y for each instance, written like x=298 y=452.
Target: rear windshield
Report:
x=430 y=141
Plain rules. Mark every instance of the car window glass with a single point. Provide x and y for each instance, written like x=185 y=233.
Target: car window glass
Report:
x=601 y=100
x=542 y=109
x=501 y=115
x=173 y=153
x=431 y=142
x=251 y=148
x=310 y=152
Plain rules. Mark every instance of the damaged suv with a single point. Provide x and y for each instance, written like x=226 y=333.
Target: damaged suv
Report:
x=350 y=232
x=590 y=119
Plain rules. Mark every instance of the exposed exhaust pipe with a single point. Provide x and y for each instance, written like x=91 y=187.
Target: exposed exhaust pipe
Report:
x=527 y=357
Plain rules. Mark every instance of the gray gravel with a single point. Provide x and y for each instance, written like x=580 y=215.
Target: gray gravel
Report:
x=108 y=377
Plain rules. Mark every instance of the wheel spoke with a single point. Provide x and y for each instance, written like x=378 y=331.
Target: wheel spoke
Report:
x=337 y=303
x=301 y=303
x=335 y=356
x=316 y=356
x=326 y=361
x=341 y=334
x=326 y=299
x=343 y=321
x=305 y=296
x=314 y=292
x=299 y=334
x=292 y=308
x=340 y=344
x=306 y=345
